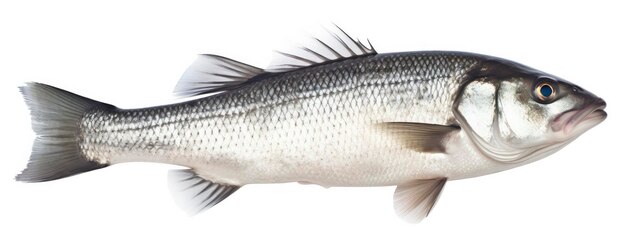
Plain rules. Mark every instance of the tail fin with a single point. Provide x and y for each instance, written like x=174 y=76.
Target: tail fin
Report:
x=56 y=116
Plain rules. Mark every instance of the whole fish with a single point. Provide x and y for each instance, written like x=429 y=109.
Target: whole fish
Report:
x=334 y=113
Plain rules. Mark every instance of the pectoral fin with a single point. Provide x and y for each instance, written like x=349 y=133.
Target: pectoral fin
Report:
x=414 y=200
x=421 y=137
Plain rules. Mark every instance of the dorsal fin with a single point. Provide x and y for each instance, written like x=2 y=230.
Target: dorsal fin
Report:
x=213 y=74
x=335 y=45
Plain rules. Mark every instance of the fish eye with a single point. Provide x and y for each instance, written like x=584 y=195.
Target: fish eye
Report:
x=545 y=91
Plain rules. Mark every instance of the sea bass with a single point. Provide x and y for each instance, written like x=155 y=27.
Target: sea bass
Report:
x=335 y=113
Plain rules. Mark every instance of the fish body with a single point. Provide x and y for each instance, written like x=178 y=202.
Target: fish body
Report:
x=314 y=125
x=412 y=119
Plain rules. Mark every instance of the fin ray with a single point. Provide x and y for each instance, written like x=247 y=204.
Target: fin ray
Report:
x=336 y=45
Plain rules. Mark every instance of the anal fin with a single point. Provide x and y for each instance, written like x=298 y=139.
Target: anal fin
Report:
x=414 y=200
x=196 y=194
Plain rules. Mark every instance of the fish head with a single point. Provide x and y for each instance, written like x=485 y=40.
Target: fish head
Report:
x=516 y=114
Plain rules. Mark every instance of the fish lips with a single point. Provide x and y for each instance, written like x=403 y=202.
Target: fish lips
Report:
x=581 y=119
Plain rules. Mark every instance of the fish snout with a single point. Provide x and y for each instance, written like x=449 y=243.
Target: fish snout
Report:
x=588 y=115
x=597 y=110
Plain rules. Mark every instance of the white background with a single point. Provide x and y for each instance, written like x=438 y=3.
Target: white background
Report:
x=131 y=55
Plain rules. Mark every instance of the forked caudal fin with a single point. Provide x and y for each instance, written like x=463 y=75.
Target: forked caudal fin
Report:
x=56 y=116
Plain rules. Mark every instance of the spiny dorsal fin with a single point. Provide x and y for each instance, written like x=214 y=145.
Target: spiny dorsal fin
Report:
x=414 y=200
x=196 y=194
x=214 y=74
x=336 y=45
x=420 y=137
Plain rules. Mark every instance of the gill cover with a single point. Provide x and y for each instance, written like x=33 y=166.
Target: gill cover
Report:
x=490 y=110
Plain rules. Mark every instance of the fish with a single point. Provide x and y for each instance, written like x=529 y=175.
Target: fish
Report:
x=334 y=113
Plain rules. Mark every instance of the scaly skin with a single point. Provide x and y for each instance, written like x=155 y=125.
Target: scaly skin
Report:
x=310 y=125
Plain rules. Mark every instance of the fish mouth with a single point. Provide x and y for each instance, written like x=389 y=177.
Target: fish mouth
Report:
x=580 y=120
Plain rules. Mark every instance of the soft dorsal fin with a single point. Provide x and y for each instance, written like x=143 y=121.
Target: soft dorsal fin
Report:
x=196 y=194
x=214 y=74
x=414 y=200
x=336 y=45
